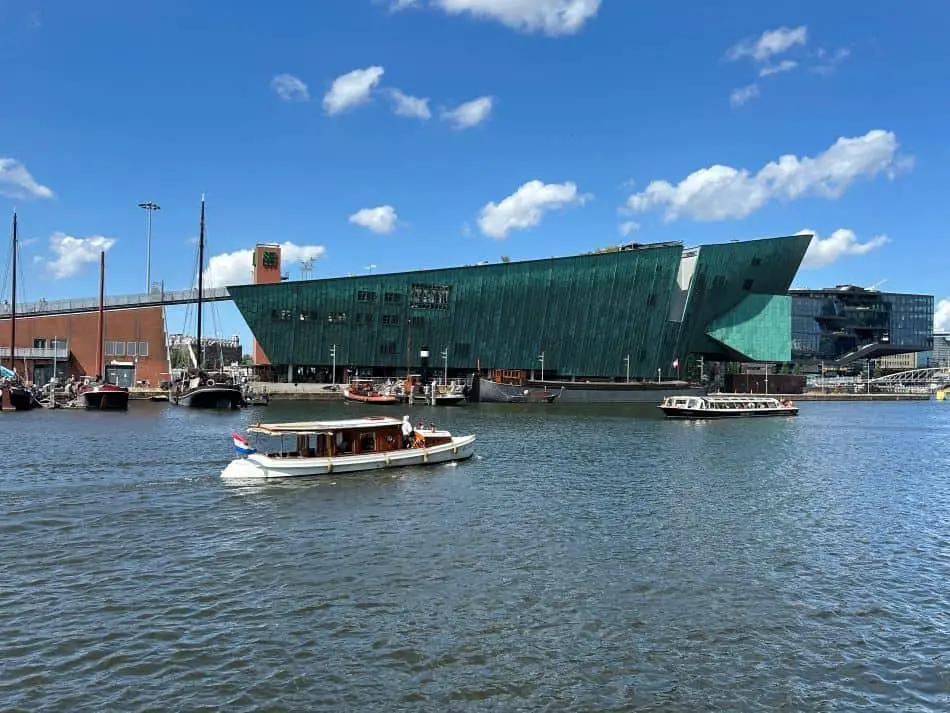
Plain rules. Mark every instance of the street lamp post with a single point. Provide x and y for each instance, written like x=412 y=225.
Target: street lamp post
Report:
x=333 y=355
x=659 y=375
x=445 y=361
x=150 y=207
x=541 y=359
x=627 y=359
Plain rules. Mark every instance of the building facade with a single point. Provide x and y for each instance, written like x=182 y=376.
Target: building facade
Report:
x=134 y=346
x=939 y=356
x=642 y=311
x=848 y=323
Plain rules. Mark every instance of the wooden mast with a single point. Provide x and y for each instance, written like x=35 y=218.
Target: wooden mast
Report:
x=100 y=373
x=201 y=262
x=13 y=303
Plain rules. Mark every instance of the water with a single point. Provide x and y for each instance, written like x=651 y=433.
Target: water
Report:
x=589 y=559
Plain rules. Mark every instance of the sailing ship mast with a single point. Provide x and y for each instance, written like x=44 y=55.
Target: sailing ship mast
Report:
x=13 y=304
x=201 y=262
x=100 y=374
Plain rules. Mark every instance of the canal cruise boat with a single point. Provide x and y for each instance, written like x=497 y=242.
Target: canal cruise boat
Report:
x=726 y=406
x=344 y=446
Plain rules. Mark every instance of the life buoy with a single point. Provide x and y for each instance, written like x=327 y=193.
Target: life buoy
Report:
x=210 y=382
x=390 y=439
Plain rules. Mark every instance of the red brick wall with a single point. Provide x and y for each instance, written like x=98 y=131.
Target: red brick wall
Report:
x=81 y=330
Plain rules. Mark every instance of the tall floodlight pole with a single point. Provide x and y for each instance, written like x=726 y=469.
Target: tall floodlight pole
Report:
x=541 y=359
x=150 y=207
x=627 y=359
x=445 y=360
x=333 y=354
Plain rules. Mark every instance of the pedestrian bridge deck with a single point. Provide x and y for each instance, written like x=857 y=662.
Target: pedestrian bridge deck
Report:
x=156 y=298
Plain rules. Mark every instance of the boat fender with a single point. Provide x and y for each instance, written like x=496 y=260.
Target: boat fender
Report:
x=329 y=467
x=210 y=382
x=386 y=459
x=455 y=450
x=425 y=455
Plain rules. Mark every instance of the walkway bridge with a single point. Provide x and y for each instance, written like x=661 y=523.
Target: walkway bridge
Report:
x=155 y=298
x=915 y=377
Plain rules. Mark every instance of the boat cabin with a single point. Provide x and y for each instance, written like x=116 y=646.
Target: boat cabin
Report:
x=352 y=437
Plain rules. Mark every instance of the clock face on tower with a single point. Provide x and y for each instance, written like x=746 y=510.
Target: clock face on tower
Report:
x=269 y=259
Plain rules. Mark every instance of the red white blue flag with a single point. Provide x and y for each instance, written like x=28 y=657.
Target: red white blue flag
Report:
x=241 y=445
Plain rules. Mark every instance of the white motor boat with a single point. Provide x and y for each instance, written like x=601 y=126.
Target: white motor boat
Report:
x=726 y=406
x=345 y=446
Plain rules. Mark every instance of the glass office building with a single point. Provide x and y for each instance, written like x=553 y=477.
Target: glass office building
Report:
x=848 y=323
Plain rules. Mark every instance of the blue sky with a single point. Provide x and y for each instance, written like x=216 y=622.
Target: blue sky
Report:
x=456 y=131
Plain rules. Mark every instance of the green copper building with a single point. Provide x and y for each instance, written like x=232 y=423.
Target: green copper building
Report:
x=635 y=310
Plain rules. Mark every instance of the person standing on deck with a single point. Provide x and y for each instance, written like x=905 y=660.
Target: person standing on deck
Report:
x=406 y=432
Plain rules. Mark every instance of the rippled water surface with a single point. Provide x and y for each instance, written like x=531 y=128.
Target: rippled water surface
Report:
x=586 y=560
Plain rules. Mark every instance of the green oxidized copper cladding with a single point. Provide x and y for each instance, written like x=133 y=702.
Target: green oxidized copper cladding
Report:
x=587 y=313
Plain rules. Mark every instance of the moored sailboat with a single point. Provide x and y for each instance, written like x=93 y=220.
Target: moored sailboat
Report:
x=100 y=394
x=19 y=397
x=197 y=388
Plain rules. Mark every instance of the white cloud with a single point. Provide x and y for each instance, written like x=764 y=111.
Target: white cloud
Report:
x=413 y=107
x=628 y=226
x=551 y=17
x=942 y=316
x=743 y=94
x=829 y=62
x=723 y=192
x=470 y=114
x=769 y=44
x=824 y=251
x=380 y=220
x=290 y=88
x=16 y=181
x=235 y=268
x=351 y=89
x=525 y=207
x=72 y=254
x=397 y=5
x=786 y=65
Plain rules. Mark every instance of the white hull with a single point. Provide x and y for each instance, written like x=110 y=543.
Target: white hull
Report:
x=258 y=465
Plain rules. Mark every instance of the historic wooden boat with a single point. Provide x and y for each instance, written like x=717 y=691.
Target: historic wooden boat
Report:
x=19 y=396
x=198 y=388
x=726 y=406
x=345 y=446
x=101 y=395
x=365 y=392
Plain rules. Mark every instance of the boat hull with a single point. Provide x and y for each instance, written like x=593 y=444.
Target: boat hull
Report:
x=259 y=466
x=106 y=400
x=693 y=413
x=379 y=399
x=21 y=399
x=494 y=392
x=211 y=397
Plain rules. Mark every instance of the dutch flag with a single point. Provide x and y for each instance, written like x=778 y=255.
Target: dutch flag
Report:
x=241 y=445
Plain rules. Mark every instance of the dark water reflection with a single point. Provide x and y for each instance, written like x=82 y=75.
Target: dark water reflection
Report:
x=587 y=560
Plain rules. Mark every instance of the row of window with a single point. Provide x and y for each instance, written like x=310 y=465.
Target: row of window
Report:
x=369 y=296
x=131 y=349
x=49 y=343
x=361 y=318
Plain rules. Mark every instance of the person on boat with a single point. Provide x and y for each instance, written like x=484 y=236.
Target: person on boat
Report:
x=418 y=440
x=406 y=432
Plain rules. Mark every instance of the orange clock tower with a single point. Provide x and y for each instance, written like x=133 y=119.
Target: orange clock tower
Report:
x=266 y=270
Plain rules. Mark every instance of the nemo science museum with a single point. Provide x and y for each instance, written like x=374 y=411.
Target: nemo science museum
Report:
x=631 y=324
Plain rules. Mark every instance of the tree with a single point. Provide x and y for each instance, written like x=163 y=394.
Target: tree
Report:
x=505 y=258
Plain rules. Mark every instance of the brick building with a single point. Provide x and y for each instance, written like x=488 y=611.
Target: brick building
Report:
x=134 y=345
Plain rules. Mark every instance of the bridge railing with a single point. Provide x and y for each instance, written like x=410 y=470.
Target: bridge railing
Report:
x=156 y=297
